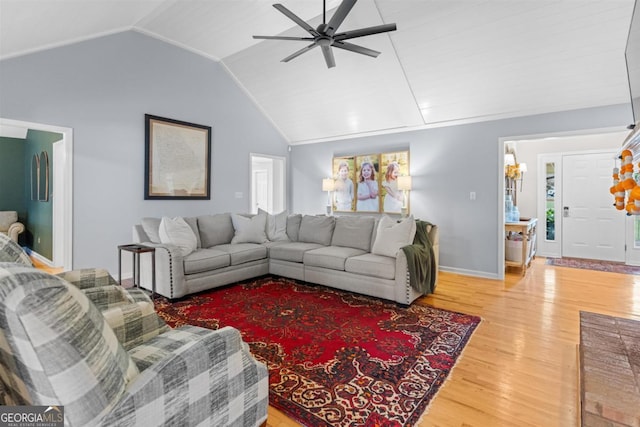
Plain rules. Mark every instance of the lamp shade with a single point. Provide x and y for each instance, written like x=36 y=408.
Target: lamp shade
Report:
x=328 y=184
x=404 y=183
x=509 y=159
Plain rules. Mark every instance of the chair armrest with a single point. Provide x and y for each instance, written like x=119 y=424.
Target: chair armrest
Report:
x=105 y=297
x=217 y=373
x=14 y=230
x=134 y=323
x=88 y=277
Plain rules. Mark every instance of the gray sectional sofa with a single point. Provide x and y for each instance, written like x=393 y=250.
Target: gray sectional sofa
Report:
x=340 y=252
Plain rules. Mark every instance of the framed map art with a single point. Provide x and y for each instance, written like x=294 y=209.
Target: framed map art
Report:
x=177 y=159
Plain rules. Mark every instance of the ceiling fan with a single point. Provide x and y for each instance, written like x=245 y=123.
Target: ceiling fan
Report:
x=325 y=35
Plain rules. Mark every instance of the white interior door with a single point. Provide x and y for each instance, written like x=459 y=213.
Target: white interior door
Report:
x=268 y=183
x=591 y=226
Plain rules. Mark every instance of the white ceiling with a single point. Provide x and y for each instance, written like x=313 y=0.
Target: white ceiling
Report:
x=450 y=61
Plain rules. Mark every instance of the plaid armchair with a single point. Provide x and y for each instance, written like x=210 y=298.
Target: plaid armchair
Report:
x=57 y=348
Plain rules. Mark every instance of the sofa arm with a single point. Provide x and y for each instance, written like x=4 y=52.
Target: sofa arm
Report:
x=220 y=383
x=14 y=230
x=170 y=280
x=88 y=278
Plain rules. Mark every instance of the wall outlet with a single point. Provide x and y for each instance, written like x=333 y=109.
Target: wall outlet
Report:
x=472 y=195
x=38 y=240
x=239 y=195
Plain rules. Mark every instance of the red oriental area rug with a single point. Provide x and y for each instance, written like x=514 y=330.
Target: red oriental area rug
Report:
x=335 y=358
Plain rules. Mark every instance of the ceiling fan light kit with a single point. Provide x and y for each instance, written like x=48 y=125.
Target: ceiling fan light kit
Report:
x=326 y=35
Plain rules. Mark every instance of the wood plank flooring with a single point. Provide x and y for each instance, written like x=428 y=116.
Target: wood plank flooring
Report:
x=520 y=366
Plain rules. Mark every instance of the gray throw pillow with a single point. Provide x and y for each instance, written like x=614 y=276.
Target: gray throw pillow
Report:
x=276 y=225
x=353 y=232
x=215 y=229
x=316 y=229
x=151 y=227
x=293 y=226
x=193 y=223
x=249 y=230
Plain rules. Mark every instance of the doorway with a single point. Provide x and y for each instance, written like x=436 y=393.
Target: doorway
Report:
x=268 y=183
x=62 y=192
x=535 y=200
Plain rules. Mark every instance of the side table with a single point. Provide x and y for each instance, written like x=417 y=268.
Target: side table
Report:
x=529 y=234
x=136 y=250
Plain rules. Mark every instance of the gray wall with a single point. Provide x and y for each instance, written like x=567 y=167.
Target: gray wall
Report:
x=447 y=164
x=102 y=88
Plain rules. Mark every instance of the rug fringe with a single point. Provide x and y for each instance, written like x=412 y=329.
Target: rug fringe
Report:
x=449 y=375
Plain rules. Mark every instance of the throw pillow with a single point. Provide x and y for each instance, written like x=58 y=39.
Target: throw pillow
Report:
x=150 y=226
x=177 y=232
x=276 y=225
x=249 y=230
x=392 y=235
x=316 y=229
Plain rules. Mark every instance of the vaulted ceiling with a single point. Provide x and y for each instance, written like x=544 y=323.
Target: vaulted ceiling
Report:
x=450 y=61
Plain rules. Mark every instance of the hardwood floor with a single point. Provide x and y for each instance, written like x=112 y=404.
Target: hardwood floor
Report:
x=520 y=366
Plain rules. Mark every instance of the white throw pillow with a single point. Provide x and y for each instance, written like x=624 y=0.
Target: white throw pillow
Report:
x=392 y=235
x=249 y=230
x=276 y=225
x=176 y=231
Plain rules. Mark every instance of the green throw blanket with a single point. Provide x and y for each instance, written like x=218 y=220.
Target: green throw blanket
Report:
x=421 y=261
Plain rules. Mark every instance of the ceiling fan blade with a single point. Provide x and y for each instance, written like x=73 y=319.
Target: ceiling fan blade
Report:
x=355 y=48
x=299 y=52
x=339 y=15
x=328 y=56
x=295 y=18
x=365 y=32
x=284 y=38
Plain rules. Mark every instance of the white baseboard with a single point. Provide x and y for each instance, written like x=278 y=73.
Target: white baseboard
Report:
x=40 y=258
x=465 y=272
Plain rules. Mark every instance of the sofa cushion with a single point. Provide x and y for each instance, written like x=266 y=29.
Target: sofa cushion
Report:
x=393 y=235
x=353 y=232
x=206 y=260
x=276 y=226
x=249 y=230
x=293 y=226
x=332 y=257
x=215 y=229
x=177 y=232
x=243 y=252
x=291 y=251
x=372 y=265
x=150 y=227
x=316 y=229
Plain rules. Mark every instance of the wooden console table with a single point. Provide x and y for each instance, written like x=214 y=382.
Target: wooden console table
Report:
x=528 y=231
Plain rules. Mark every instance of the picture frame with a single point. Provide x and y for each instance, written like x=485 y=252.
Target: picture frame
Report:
x=177 y=159
x=392 y=166
x=367 y=183
x=344 y=196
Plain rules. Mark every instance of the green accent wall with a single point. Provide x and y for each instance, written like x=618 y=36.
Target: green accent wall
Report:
x=39 y=224
x=12 y=176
